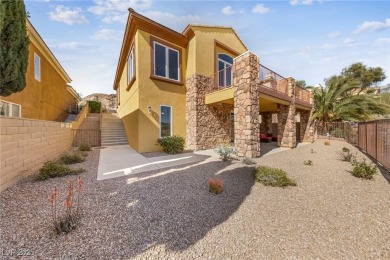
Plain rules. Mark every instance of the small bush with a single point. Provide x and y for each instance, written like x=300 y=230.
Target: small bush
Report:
x=312 y=150
x=364 y=170
x=224 y=151
x=273 y=177
x=71 y=218
x=72 y=158
x=345 y=150
x=85 y=148
x=52 y=169
x=215 y=185
x=94 y=106
x=308 y=162
x=172 y=144
x=248 y=161
x=327 y=143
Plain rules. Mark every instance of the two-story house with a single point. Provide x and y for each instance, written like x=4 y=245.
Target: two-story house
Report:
x=47 y=95
x=202 y=84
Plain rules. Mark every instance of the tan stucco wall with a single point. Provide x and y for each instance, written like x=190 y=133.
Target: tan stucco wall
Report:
x=25 y=144
x=205 y=47
x=47 y=99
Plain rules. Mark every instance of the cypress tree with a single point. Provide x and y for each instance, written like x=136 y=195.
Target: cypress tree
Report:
x=13 y=46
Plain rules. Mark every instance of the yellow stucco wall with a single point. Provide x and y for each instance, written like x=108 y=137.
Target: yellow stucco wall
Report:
x=46 y=99
x=205 y=47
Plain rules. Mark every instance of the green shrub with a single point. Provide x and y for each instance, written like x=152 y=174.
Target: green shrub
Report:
x=52 y=169
x=224 y=151
x=364 y=170
x=337 y=132
x=345 y=150
x=248 y=161
x=85 y=147
x=172 y=144
x=308 y=162
x=273 y=177
x=72 y=158
x=94 y=106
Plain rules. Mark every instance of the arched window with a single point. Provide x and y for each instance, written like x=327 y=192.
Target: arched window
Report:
x=225 y=76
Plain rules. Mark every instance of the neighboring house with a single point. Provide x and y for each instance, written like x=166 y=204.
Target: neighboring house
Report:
x=204 y=85
x=46 y=95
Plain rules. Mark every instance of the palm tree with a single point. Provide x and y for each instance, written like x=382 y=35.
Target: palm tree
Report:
x=343 y=101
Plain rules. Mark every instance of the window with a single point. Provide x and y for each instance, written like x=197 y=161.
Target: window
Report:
x=131 y=66
x=225 y=76
x=166 y=62
x=37 y=67
x=165 y=121
x=10 y=109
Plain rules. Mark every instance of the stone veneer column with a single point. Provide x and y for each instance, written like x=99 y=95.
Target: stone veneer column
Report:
x=307 y=124
x=286 y=119
x=246 y=105
x=206 y=125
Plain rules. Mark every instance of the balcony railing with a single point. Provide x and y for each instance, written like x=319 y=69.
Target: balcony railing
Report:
x=220 y=80
x=268 y=79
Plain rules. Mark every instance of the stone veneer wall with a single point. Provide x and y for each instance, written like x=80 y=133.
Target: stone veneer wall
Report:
x=266 y=123
x=246 y=105
x=307 y=127
x=26 y=144
x=207 y=125
x=287 y=120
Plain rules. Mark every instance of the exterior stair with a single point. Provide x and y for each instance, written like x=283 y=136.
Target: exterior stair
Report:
x=113 y=132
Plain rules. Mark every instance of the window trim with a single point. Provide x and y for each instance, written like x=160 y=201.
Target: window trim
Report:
x=39 y=67
x=154 y=40
x=131 y=81
x=170 y=122
x=10 y=109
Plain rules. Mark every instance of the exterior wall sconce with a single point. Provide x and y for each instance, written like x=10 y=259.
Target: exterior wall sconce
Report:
x=149 y=109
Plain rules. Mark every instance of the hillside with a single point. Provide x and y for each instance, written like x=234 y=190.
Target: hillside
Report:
x=108 y=101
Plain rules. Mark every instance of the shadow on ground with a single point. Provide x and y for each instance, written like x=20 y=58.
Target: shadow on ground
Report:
x=174 y=209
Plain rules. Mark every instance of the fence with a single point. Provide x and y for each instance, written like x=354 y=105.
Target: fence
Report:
x=372 y=137
x=86 y=136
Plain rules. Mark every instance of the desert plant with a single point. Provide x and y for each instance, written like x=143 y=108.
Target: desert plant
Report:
x=363 y=170
x=172 y=144
x=273 y=177
x=94 y=106
x=215 y=185
x=68 y=221
x=312 y=150
x=327 y=143
x=85 y=148
x=52 y=169
x=248 y=161
x=308 y=162
x=72 y=158
x=345 y=150
x=224 y=151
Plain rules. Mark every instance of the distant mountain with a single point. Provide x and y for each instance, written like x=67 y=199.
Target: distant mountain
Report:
x=108 y=101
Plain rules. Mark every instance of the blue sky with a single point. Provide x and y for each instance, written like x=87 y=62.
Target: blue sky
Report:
x=305 y=39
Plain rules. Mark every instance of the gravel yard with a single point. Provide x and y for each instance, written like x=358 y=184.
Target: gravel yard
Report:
x=169 y=213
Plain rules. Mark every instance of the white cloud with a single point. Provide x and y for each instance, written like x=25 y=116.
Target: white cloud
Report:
x=260 y=9
x=170 y=20
x=67 y=15
x=328 y=46
x=228 y=10
x=382 y=41
x=373 y=26
x=117 y=10
x=334 y=34
x=69 y=45
x=108 y=34
x=301 y=2
x=349 y=41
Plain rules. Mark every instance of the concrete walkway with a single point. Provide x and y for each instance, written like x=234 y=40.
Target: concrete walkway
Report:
x=122 y=160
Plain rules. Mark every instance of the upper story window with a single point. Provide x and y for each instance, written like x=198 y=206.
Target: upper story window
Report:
x=37 y=67
x=225 y=75
x=166 y=62
x=130 y=66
